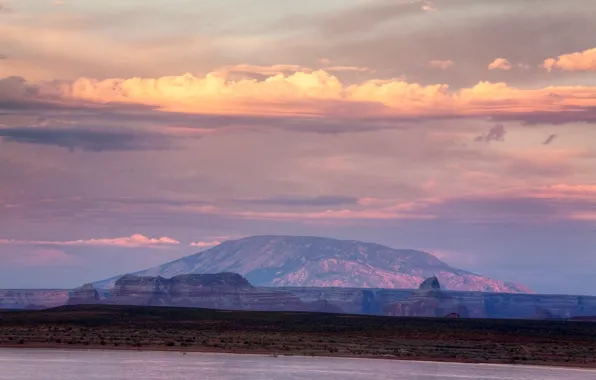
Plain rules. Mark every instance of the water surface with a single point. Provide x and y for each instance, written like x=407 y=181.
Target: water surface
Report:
x=32 y=364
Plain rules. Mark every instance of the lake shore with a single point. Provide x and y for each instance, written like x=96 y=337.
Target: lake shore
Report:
x=544 y=343
x=201 y=350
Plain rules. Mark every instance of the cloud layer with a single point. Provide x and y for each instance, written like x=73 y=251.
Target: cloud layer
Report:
x=581 y=61
x=312 y=94
x=133 y=241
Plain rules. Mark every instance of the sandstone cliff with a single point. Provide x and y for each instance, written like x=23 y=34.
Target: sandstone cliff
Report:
x=227 y=291
x=32 y=298
x=427 y=301
x=86 y=294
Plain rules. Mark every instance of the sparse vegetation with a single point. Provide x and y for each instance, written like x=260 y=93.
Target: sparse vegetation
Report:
x=121 y=327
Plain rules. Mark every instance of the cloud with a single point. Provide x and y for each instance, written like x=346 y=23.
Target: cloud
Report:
x=318 y=93
x=428 y=6
x=528 y=205
x=500 y=64
x=580 y=61
x=283 y=69
x=318 y=99
x=85 y=139
x=263 y=70
x=357 y=19
x=496 y=133
x=205 y=244
x=439 y=64
x=341 y=69
x=133 y=241
x=3 y=56
x=549 y=139
x=18 y=94
x=315 y=201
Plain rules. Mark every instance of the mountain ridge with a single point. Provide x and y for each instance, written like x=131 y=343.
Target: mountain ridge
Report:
x=312 y=261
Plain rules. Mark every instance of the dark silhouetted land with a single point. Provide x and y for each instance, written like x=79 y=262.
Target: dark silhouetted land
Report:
x=561 y=343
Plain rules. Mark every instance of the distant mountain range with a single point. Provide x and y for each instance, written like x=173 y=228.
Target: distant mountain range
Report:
x=322 y=262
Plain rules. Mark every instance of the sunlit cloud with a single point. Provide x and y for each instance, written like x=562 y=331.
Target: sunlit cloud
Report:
x=133 y=241
x=319 y=93
x=500 y=64
x=580 y=61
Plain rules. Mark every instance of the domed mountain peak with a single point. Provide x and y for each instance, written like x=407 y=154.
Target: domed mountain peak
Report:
x=310 y=261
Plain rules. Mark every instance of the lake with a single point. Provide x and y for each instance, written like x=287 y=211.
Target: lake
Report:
x=38 y=364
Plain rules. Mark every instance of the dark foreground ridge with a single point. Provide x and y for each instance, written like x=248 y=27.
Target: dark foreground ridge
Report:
x=561 y=343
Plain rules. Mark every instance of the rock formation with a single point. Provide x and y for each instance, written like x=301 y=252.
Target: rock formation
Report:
x=427 y=301
x=86 y=294
x=435 y=302
x=228 y=291
x=32 y=298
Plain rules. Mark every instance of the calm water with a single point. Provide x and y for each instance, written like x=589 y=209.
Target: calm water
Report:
x=90 y=365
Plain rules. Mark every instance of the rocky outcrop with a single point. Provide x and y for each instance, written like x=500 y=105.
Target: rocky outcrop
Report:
x=86 y=294
x=32 y=298
x=302 y=261
x=232 y=291
x=430 y=284
x=427 y=301
x=228 y=291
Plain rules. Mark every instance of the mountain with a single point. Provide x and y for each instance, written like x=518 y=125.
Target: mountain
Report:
x=323 y=262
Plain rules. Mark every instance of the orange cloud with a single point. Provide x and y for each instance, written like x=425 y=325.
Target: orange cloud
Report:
x=321 y=94
x=133 y=241
x=581 y=61
x=439 y=64
x=500 y=64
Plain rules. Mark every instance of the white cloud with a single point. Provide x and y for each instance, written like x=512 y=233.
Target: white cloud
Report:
x=133 y=241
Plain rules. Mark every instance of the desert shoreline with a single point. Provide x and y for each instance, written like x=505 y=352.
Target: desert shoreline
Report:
x=267 y=353
x=148 y=328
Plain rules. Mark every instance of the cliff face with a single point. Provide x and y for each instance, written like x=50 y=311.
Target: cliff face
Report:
x=86 y=294
x=300 y=261
x=227 y=291
x=233 y=292
x=427 y=301
x=32 y=298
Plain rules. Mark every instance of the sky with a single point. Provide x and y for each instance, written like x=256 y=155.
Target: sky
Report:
x=136 y=132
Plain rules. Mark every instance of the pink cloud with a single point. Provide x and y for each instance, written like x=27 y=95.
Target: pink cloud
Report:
x=428 y=6
x=205 y=244
x=441 y=64
x=580 y=61
x=133 y=241
x=500 y=64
